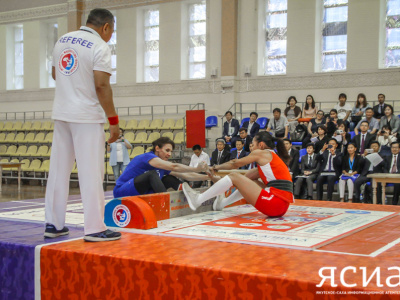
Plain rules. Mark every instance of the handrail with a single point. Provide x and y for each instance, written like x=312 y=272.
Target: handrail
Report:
x=146 y=110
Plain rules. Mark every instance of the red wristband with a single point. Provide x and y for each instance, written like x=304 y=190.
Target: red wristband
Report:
x=113 y=120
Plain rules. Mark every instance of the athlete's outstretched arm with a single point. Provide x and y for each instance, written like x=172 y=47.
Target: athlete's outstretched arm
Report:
x=175 y=167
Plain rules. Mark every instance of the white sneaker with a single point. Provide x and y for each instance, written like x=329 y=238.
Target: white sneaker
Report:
x=217 y=205
x=191 y=196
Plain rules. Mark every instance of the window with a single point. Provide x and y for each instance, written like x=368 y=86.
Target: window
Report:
x=18 y=70
x=197 y=41
x=112 y=43
x=334 y=35
x=151 y=45
x=274 y=37
x=392 y=42
x=51 y=40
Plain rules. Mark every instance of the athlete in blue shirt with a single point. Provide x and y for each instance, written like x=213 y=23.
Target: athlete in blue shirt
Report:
x=152 y=172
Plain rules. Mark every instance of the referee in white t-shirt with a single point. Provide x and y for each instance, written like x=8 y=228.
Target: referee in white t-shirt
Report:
x=82 y=69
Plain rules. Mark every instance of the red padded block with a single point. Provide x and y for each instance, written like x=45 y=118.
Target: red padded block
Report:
x=142 y=215
x=195 y=128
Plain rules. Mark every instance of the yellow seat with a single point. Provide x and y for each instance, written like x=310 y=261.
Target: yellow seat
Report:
x=11 y=151
x=106 y=126
x=46 y=126
x=168 y=124
x=168 y=134
x=1 y=126
x=130 y=136
x=143 y=124
x=36 y=126
x=19 y=138
x=107 y=136
x=140 y=138
x=49 y=138
x=136 y=151
x=35 y=165
x=42 y=151
x=108 y=169
x=39 y=138
x=155 y=124
x=74 y=169
x=131 y=125
x=21 y=150
x=149 y=149
x=122 y=124
x=27 y=125
x=3 y=160
x=45 y=167
x=52 y=126
x=25 y=164
x=179 y=138
x=179 y=124
x=48 y=153
x=3 y=150
x=10 y=138
x=152 y=137
x=17 y=126
x=29 y=138
x=32 y=150
x=8 y=126
x=2 y=137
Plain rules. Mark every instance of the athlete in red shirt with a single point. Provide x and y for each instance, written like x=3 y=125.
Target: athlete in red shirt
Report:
x=271 y=196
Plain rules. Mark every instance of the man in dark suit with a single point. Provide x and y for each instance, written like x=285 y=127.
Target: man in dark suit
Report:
x=252 y=126
x=392 y=165
x=245 y=138
x=295 y=157
x=367 y=169
x=239 y=153
x=309 y=167
x=379 y=110
x=231 y=128
x=220 y=155
x=330 y=169
x=364 y=138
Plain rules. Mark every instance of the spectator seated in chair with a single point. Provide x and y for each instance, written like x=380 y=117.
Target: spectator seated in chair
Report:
x=372 y=122
x=312 y=128
x=245 y=138
x=379 y=109
x=278 y=126
x=231 y=128
x=343 y=109
x=309 y=172
x=392 y=165
x=292 y=113
x=358 y=110
x=221 y=154
x=252 y=126
x=239 y=153
x=330 y=160
x=294 y=158
x=364 y=139
x=198 y=156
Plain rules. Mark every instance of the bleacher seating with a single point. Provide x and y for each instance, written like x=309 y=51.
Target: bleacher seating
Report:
x=130 y=136
x=168 y=124
x=11 y=151
x=44 y=167
x=244 y=120
x=3 y=150
x=2 y=137
x=46 y=126
x=29 y=138
x=179 y=138
x=152 y=137
x=168 y=134
x=49 y=138
x=140 y=138
x=143 y=124
x=42 y=151
x=39 y=138
x=25 y=164
x=1 y=126
x=35 y=164
x=131 y=125
x=179 y=124
x=21 y=151
x=8 y=126
x=211 y=121
x=263 y=122
x=32 y=150
x=19 y=138
x=36 y=126
x=136 y=151
x=122 y=123
x=17 y=126
x=10 y=138
x=27 y=126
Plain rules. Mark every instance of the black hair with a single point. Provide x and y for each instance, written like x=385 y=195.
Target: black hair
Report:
x=254 y=113
x=387 y=127
x=323 y=127
x=228 y=112
x=391 y=108
x=287 y=140
x=312 y=103
x=333 y=139
x=239 y=140
x=340 y=122
x=269 y=141
x=351 y=143
x=364 y=122
x=396 y=142
x=333 y=110
x=364 y=103
x=100 y=16
x=375 y=142
x=382 y=95
x=310 y=145
x=277 y=109
x=196 y=147
x=321 y=111
x=161 y=142
x=369 y=108
x=242 y=129
x=290 y=98
x=343 y=95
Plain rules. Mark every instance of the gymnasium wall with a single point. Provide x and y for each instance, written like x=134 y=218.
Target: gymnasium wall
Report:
x=363 y=73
